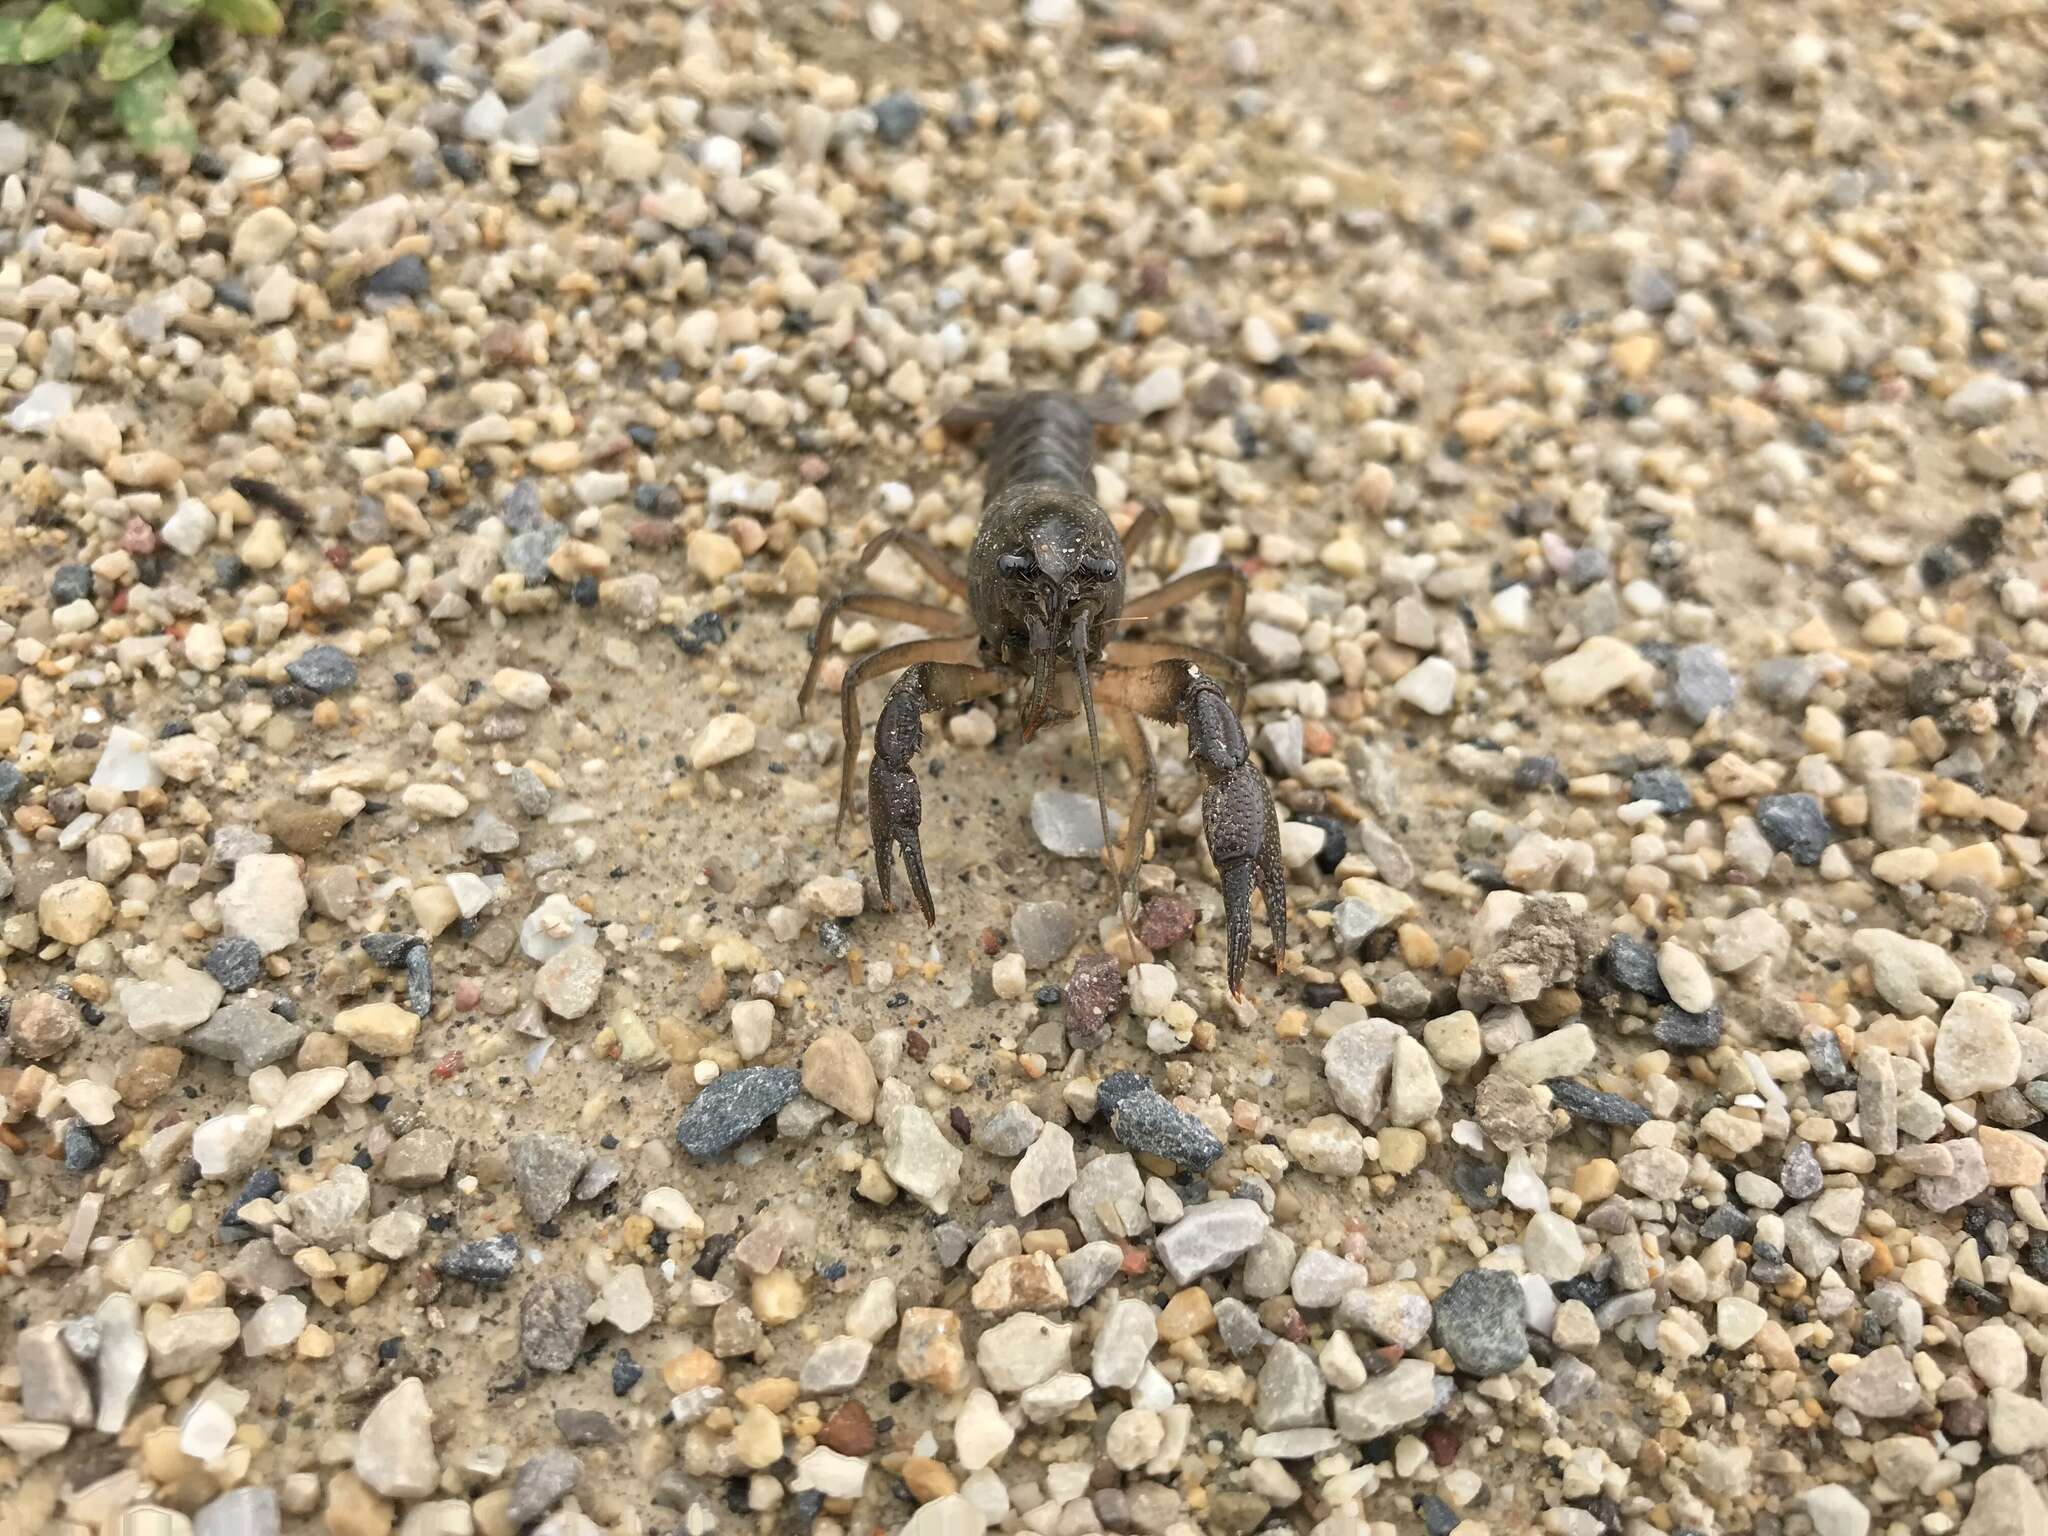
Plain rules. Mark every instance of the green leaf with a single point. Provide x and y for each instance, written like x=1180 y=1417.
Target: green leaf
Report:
x=258 y=18
x=150 y=110
x=104 y=11
x=56 y=30
x=318 y=22
x=11 y=28
x=128 y=49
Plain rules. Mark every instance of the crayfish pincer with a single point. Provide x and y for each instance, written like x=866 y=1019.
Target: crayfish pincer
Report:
x=1045 y=601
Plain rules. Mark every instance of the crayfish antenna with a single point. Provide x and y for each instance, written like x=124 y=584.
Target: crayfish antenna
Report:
x=1095 y=761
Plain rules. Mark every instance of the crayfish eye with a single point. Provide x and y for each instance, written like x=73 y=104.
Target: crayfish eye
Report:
x=1098 y=568
x=1016 y=565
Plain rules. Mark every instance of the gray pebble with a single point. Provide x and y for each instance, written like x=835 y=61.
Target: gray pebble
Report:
x=322 y=669
x=1088 y=1269
x=1242 y=1332
x=1701 y=682
x=1042 y=932
x=246 y=1035
x=1800 y=1176
x=544 y=1171
x=1069 y=824
x=584 y=1426
x=1783 y=682
x=526 y=554
x=1480 y=1324
x=528 y=792
x=1142 y=1119
x=732 y=1106
x=551 y=1322
x=239 y=1512
x=1291 y=1394
x=1009 y=1132
x=539 y=1484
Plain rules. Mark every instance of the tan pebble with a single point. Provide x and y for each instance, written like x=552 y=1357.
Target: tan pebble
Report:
x=1904 y=866
x=758 y=1438
x=1596 y=1179
x=2013 y=1159
x=162 y=1462
x=775 y=1393
x=778 y=1297
x=1188 y=1315
x=1418 y=946
x=927 y=1479
x=1634 y=356
x=74 y=911
x=379 y=1029
x=1402 y=1150
x=929 y=1351
x=492 y=1513
x=354 y=1510
x=364 y=1284
x=1887 y=629
x=1975 y=864
x=556 y=458
x=713 y=555
x=692 y=1369
x=151 y=470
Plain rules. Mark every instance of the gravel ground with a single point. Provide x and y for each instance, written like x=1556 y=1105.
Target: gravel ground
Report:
x=454 y=1079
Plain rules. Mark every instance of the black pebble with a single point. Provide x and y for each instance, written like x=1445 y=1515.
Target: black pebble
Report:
x=1590 y=1104
x=896 y=117
x=1678 y=1030
x=1589 y=1289
x=81 y=1151
x=1632 y=965
x=237 y=964
x=390 y=949
x=1477 y=1184
x=491 y=1261
x=419 y=981
x=625 y=1372
x=461 y=162
x=1336 y=842
x=1665 y=787
x=1795 y=824
x=69 y=583
x=1728 y=1221
x=713 y=1253
x=405 y=278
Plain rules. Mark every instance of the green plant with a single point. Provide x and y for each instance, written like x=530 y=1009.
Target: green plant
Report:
x=121 y=50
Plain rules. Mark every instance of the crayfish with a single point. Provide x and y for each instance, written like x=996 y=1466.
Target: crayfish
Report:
x=1045 y=599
